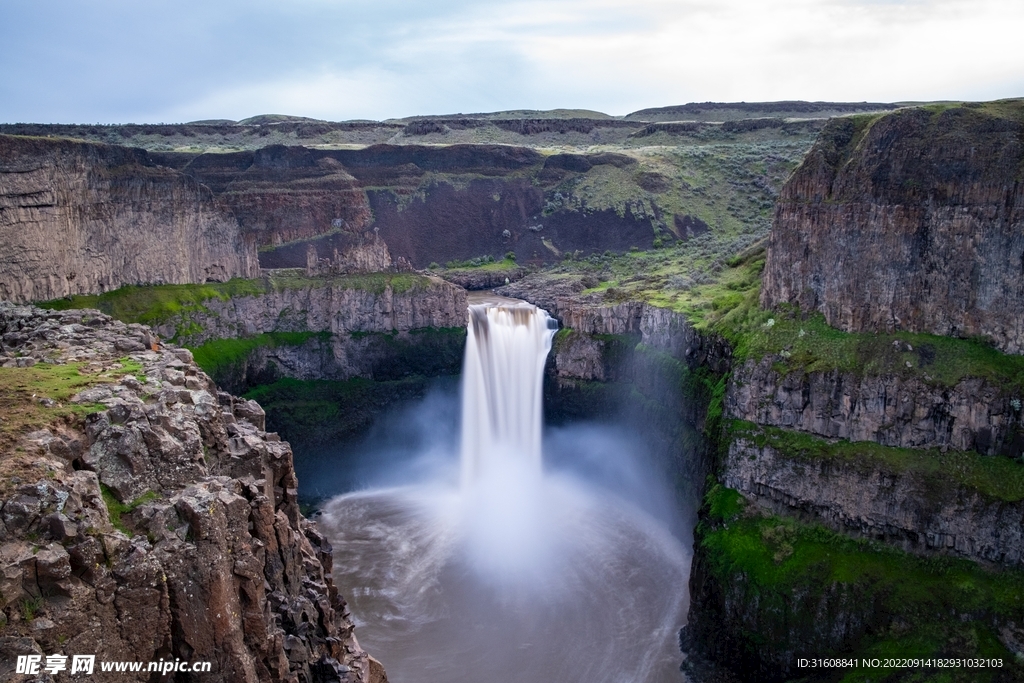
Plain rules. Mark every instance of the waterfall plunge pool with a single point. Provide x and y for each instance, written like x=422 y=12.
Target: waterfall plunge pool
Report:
x=493 y=559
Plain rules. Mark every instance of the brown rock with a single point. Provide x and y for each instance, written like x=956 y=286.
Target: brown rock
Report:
x=81 y=218
x=913 y=221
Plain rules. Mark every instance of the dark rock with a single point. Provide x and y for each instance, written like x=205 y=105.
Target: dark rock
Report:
x=913 y=221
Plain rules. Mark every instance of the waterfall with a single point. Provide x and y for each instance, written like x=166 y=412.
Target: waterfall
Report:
x=502 y=382
x=517 y=573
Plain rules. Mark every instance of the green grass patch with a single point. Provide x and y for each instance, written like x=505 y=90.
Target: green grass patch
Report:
x=154 y=304
x=116 y=510
x=23 y=390
x=994 y=477
x=376 y=283
x=218 y=355
x=910 y=606
x=157 y=304
x=809 y=344
x=482 y=263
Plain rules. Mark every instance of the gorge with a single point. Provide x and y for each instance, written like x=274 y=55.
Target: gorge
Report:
x=828 y=410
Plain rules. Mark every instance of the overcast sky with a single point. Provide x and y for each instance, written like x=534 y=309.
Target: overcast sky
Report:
x=115 y=61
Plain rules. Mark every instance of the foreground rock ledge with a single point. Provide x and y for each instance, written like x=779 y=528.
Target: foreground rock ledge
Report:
x=204 y=556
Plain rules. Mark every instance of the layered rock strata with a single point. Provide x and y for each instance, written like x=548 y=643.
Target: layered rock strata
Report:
x=909 y=221
x=908 y=412
x=910 y=510
x=338 y=306
x=913 y=221
x=584 y=354
x=82 y=218
x=165 y=524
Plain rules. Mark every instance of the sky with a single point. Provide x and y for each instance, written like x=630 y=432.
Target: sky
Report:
x=120 y=61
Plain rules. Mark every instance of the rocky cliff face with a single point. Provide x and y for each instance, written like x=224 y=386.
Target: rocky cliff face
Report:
x=379 y=326
x=906 y=412
x=339 y=306
x=909 y=221
x=912 y=221
x=84 y=218
x=164 y=525
x=281 y=194
x=911 y=510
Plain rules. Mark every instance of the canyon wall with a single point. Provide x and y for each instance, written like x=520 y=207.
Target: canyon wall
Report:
x=915 y=510
x=84 y=218
x=974 y=414
x=148 y=516
x=337 y=305
x=862 y=481
x=911 y=221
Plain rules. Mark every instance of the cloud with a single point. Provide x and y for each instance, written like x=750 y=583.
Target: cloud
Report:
x=113 y=60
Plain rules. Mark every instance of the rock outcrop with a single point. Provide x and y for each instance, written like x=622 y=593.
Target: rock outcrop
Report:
x=164 y=525
x=908 y=509
x=911 y=221
x=336 y=305
x=82 y=218
x=906 y=412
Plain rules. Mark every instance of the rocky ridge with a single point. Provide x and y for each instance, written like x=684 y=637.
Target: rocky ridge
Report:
x=165 y=524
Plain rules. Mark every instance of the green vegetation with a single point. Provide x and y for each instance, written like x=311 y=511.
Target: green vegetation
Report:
x=30 y=607
x=900 y=605
x=375 y=283
x=154 y=304
x=938 y=474
x=219 y=355
x=116 y=509
x=485 y=263
x=807 y=344
x=158 y=304
x=36 y=396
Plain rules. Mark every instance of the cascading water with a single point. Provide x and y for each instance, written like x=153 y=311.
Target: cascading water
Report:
x=502 y=378
x=514 y=574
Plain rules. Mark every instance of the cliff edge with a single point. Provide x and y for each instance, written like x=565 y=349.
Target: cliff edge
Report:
x=146 y=516
x=909 y=221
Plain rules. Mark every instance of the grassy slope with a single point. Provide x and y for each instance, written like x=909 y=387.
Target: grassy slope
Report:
x=22 y=391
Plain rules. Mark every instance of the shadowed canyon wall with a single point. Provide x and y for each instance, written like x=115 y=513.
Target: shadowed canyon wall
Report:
x=863 y=479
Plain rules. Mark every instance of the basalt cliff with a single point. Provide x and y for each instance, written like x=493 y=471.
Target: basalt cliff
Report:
x=912 y=221
x=147 y=516
x=868 y=494
x=82 y=218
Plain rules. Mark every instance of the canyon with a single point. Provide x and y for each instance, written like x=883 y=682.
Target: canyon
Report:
x=838 y=398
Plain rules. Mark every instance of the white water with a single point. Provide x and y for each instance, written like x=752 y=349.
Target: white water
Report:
x=502 y=379
x=513 y=575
